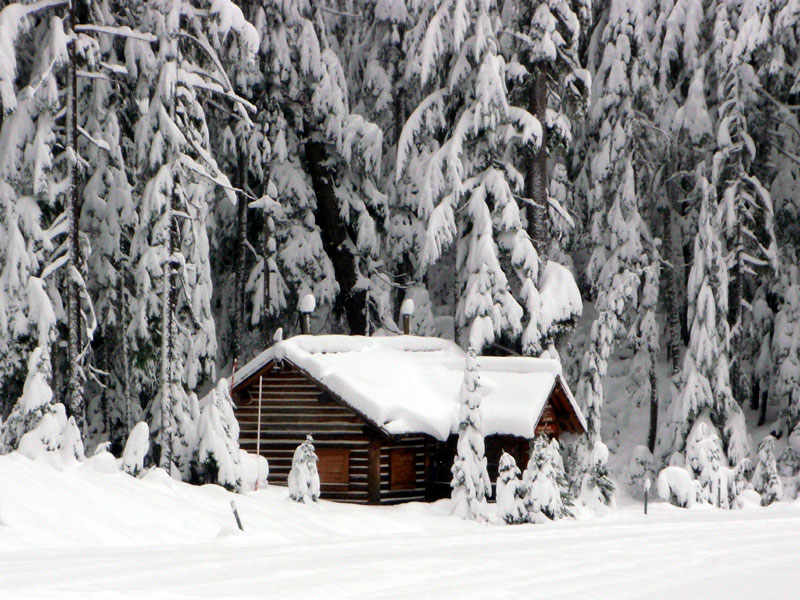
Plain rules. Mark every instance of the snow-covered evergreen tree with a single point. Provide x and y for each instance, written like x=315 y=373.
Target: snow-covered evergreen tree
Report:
x=468 y=183
x=705 y=383
x=169 y=250
x=544 y=477
x=470 y=485
x=136 y=448
x=304 y=478
x=218 y=454
x=510 y=492
x=785 y=349
x=765 y=477
x=747 y=213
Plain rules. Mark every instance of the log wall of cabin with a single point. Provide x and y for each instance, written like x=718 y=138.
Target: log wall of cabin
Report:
x=292 y=406
x=393 y=489
x=518 y=447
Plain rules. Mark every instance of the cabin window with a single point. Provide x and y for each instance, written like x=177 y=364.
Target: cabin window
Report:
x=402 y=469
x=333 y=466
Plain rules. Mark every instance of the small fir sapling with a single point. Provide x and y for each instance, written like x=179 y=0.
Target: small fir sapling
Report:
x=33 y=404
x=470 y=485
x=304 y=478
x=706 y=458
x=542 y=480
x=218 y=455
x=789 y=462
x=136 y=449
x=510 y=492
x=640 y=467
x=561 y=473
x=765 y=478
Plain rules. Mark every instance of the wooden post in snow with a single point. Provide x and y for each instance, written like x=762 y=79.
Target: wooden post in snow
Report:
x=236 y=515
x=646 y=490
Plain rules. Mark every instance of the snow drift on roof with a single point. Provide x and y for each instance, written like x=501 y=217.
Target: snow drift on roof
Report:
x=410 y=384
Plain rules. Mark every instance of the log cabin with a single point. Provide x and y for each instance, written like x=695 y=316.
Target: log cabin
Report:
x=383 y=411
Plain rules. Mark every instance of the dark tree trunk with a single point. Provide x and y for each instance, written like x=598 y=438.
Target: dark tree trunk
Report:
x=762 y=409
x=670 y=299
x=735 y=320
x=267 y=251
x=75 y=402
x=126 y=366
x=536 y=172
x=334 y=236
x=239 y=258
x=651 y=435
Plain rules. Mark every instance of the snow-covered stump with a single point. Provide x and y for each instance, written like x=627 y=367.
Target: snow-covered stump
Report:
x=470 y=484
x=765 y=478
x=541 y=478
x=510 y=492
x=136 y=449
x=304 y=478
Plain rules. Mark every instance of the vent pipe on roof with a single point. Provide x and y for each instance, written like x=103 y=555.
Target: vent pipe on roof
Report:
x=306 y=307
x=406 y=310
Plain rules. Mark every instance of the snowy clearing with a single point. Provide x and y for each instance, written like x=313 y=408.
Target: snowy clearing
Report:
x=86 y=533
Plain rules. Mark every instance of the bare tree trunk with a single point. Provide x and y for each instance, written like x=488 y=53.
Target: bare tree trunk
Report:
x=670 y=300
x=75 y=402
x=762 y=409
x=334 y=236
x=169 y=298
x=239 y=259
x=126 y=366
x=267 y=251
x=536 y=179
x=735 y=320
x=651 y=436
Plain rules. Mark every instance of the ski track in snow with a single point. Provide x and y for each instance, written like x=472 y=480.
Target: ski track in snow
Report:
x=155 y=538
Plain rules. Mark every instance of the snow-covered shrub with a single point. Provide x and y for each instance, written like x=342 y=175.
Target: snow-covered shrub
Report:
x=55 y=439
x=676 y=486
x=470 y=484
x=596 y=487
x=541 y=479
x=765 y=478
x=218 y=458
x=789 y=462
x=510 y=492
x=254 y=470
x=640 y=468
x=32 y=405
x=720 y=485
x=136 y=448
x=304 y=478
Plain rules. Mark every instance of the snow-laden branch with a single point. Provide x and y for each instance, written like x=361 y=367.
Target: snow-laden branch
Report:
x=122 y=31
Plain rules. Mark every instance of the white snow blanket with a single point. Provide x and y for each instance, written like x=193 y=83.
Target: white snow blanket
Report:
x=410 y=384
x=88 y=534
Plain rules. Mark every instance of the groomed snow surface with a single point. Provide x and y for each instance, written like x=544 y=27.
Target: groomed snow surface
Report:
x=93 y=532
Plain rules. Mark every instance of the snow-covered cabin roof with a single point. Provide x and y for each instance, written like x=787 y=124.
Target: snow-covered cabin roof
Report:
x=411 y=384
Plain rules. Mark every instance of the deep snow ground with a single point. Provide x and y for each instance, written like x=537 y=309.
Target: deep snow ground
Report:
x=86 y=533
